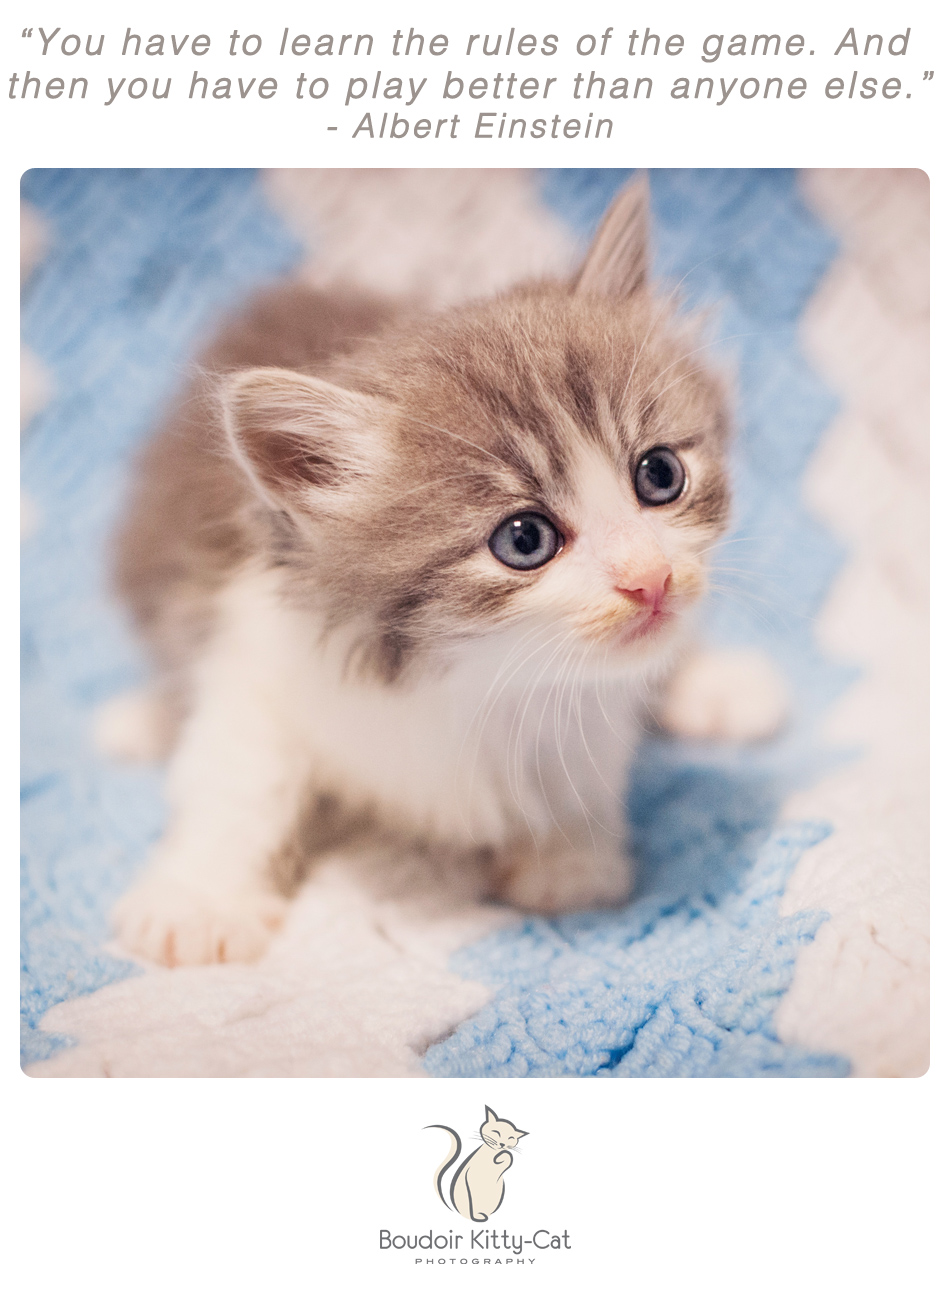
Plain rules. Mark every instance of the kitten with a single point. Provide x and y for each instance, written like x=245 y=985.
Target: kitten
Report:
x=413 y=579
x=477 y=1187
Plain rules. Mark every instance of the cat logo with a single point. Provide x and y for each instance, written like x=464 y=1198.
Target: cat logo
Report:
x=477 y=1187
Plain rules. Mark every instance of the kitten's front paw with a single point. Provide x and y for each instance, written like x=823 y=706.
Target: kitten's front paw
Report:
x=561 y=879
x=735 y=694
x=178 y=925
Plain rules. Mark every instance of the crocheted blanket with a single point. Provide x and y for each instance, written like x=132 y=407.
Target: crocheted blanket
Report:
x=780 y=918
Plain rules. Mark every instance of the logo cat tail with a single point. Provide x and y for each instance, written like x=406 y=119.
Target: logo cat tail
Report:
x=447 y=1163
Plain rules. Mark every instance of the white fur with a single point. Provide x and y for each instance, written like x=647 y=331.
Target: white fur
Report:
x=474 y=756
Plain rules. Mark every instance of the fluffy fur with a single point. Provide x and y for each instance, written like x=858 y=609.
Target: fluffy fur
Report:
x=341 y=655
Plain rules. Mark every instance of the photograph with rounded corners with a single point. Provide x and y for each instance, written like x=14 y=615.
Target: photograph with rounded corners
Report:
x=475 y=623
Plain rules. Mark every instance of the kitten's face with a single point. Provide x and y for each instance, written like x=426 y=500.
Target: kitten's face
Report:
x=547 y=463
x=500 y=1135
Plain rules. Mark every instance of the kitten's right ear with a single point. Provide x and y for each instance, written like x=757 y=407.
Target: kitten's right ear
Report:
x=618 y=260
x=300 y=439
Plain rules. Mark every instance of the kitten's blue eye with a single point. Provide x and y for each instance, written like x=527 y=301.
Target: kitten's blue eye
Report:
x=660 y=477
x=525 y=541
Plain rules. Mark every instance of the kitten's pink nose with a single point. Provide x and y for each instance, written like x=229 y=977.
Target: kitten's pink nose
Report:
x=648 y=589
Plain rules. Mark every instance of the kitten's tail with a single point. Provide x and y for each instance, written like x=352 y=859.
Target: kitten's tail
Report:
x=448 y=1162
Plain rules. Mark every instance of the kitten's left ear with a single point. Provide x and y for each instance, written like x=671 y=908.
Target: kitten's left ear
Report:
x=490 y=1116
x=617 y=262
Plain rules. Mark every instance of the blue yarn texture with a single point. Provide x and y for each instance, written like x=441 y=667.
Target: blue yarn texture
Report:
x=685 y=980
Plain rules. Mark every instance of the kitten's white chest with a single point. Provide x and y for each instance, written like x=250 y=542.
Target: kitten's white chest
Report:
x=512 y=738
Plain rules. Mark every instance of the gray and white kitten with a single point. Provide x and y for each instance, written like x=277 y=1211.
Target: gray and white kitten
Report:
x=417 y=579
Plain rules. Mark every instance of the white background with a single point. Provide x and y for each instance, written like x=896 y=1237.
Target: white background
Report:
x=661 y=1183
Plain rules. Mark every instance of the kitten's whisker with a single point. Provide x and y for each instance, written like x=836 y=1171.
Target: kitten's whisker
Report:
x=747 y=594
x=661 y=310
x=722 y=542
x=574 y=712
x=601 y=675
x=488 y=704
x=559 y=743
x=565 y=644
x=781 y=614
x=583 y=735
x=646 y=702
x=511 y=657
x=745 y=570
x=682 y=358
x=754 y=568
x=537 y=757
x=524 y=705
x=737 y=242
x=686 y=375
x=576 y=707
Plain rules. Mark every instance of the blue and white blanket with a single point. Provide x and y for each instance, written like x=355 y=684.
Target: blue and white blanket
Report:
x=779 y=923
